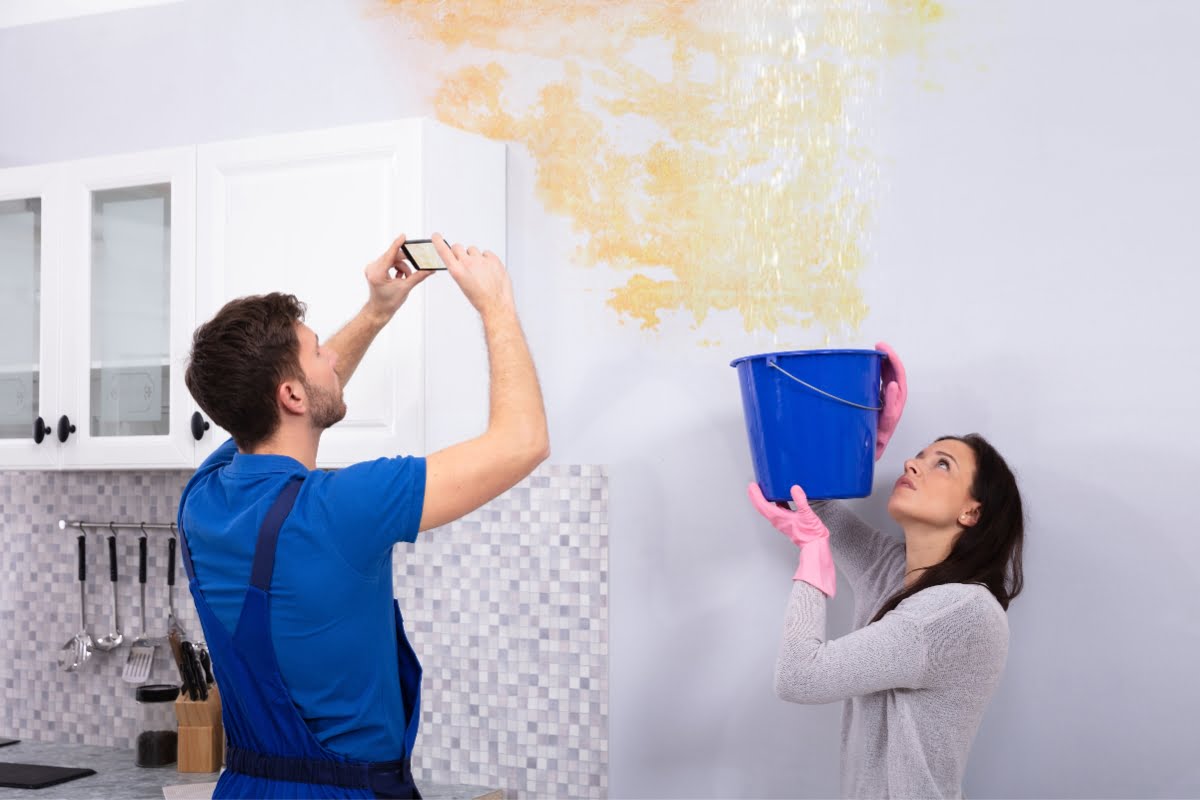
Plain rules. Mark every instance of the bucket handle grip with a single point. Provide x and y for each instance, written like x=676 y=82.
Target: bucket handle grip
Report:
x=771 y=363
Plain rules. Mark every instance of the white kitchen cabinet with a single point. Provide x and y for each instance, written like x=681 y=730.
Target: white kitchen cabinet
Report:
x=304 y=213
x=96 y=262
x=108 y=264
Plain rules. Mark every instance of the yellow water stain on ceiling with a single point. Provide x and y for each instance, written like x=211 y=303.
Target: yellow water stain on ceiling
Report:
x=713 y=150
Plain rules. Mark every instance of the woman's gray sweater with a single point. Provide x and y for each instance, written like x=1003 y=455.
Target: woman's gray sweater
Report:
x=916 y=683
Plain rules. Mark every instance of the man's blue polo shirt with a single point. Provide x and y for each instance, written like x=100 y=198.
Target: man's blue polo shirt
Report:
x=331 y=596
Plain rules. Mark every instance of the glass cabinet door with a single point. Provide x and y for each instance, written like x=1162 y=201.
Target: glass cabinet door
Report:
x=129 y=278
x=130 y=341
x=20 y=316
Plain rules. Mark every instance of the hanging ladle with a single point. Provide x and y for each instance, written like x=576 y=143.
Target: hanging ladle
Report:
x=79 y=649
x=112 y=641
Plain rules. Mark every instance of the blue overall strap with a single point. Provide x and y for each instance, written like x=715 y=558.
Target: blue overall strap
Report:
x=264 y=553
x=187 y=560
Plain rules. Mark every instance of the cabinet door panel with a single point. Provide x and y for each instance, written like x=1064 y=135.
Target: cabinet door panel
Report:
x=28 y=302
x=132 y=310
x=20 y=308
x=130 y=345
x=303 y=214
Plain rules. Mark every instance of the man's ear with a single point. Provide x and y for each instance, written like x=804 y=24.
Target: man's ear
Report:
x=290 y=396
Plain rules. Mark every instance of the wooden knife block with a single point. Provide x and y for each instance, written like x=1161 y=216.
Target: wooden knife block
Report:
x=201 y=734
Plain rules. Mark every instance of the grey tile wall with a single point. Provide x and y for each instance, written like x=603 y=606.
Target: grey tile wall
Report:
x=39 y=607
x=507 y=608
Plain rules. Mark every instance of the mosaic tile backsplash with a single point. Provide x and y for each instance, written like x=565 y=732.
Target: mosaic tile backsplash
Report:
x=507 y=609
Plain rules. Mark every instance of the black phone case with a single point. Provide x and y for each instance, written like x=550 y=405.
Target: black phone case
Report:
x=404 y=248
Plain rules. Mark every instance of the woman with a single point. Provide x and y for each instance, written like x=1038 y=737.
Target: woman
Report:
x=931 y=630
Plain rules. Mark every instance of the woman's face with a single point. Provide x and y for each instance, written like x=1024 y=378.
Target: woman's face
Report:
x=935 y=489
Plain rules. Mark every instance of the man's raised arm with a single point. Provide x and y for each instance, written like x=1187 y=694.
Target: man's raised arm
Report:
x=463 y=477
x=388 y=293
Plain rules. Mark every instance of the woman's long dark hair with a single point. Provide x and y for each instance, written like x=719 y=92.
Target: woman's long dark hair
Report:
x=989 y=552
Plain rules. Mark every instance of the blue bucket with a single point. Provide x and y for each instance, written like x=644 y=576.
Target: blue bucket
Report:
x=811 y=417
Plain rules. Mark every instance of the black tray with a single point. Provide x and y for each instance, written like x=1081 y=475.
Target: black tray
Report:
x=38 y=776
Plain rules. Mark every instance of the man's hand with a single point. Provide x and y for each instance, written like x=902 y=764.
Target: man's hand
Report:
x=480 y=275
x=388 y=292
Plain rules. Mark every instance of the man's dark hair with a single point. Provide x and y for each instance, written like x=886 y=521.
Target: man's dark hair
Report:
x=239 y=358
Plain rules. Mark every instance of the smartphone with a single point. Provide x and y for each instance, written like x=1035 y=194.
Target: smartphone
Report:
x=422 y=254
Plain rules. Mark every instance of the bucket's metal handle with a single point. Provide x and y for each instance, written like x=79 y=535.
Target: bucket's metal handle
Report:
x=771 y=363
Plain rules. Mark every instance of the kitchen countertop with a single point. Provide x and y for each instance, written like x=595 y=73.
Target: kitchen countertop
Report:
x=118 y=777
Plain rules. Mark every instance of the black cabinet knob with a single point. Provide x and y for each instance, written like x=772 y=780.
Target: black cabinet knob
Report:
x=40 y=429
x=65 y=428
x=199 y=426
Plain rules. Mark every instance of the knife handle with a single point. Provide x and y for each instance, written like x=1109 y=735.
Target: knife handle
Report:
x=206 y=662
x=201 y=686
x=189 y=667
x=177 y=654
x=198 y=671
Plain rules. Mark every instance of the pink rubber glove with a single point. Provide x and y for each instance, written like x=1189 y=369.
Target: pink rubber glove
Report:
x=805 y=528
x=895 y=393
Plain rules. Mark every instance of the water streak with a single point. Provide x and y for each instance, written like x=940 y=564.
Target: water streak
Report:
x=715 y=151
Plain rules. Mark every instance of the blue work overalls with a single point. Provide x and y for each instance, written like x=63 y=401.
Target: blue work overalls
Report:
x=270 y=751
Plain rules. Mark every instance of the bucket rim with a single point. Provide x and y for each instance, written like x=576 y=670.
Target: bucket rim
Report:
x=827 y=351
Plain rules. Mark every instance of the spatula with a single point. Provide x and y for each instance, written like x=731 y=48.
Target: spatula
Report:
x=141 y=651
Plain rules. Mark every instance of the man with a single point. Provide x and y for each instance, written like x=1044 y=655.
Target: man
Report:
x=291 y=567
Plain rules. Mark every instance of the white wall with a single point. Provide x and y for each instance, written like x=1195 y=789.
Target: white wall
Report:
x=1033 y=261
x=1046 y=207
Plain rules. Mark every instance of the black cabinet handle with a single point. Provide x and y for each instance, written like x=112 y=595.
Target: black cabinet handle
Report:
x=40 y=429
x=199 y=426
x=171 y=561
x=65 y=428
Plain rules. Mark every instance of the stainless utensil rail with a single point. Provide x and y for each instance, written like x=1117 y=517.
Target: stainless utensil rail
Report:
x=63 y=524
